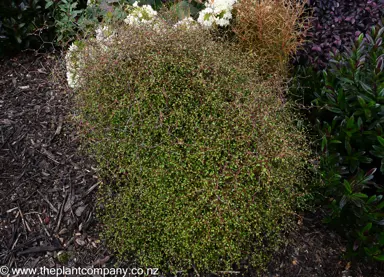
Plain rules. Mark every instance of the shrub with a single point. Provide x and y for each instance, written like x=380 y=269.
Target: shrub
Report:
x=351 y=124
x=335 y=25
x=201 y=159
x=271 y=29
x=24 y=24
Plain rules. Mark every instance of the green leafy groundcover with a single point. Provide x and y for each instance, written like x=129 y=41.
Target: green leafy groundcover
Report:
x=202 y=162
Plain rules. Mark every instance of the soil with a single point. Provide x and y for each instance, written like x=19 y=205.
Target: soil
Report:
x=48 y=186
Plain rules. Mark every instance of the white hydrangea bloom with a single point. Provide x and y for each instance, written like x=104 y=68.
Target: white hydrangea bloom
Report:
x=91 y=3
x=221 y=5
x=186 y=23
x=140 y=15
x=217 y=12
x=105 y=35
x=206 y=17
x=74 y=63
x=72 y=66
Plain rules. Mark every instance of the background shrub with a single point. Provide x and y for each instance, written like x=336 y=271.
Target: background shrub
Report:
x=350 y=111
x=201 y=160
x=336 y=24
x=273 y=30
x=24 y=24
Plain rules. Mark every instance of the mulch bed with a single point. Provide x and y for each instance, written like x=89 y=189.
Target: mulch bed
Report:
x=48 y=186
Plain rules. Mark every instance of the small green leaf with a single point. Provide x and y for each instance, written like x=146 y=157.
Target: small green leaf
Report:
x=361 y=101
x=366 y=87
x=371 y=199
x=380 y=206
x=324 y=144
x=381 y=93
x=359 y=122
x=334 y=110
x=347 y=186
x=49 y=3
x=379 y=258
x=348 y=147
x=367 y=227
x=360 y=195
x=348 y=81
x=343 y=201
x=381 y=140
x=382 y=166
x=368 y=113
x=360 y=38
x=350 y=122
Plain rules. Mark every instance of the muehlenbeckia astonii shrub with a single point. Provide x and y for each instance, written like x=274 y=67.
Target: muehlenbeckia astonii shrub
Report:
x=200 y=158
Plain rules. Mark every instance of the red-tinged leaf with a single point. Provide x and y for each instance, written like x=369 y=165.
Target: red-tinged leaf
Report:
x=371 y=172
x=316 y=48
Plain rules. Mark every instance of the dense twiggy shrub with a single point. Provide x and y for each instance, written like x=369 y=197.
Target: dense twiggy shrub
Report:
x=351 y=122
x=336 y=24
x=271 y=29
x=201 y=160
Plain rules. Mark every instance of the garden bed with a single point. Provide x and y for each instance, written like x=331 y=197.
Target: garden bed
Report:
x=48 y=186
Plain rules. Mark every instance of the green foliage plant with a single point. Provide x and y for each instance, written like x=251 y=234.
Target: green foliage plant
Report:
x=350 y=120
x=24 y=24
x=73 y=23
x=200 y=157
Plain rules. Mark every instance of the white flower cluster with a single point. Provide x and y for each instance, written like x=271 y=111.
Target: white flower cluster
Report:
x=74 y=64
x=217 y=12
x=140 y=15
x=186 y=23
x=91 y=3
x=105 y=35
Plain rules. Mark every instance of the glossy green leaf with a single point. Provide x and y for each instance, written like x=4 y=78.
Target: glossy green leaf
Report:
x=347 y=186
x=379 y=257
x=360 y=195
x=367 y=227
x=381 y=140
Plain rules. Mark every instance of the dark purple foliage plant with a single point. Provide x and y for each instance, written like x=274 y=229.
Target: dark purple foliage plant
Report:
x=335 y=25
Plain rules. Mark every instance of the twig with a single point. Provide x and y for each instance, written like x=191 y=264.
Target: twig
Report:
x=49 y=203
x=25 y=223
x=61 y=213
x=195 y=269
x=48 y=155
x=39 y=249
x=42 y=223
x=91 y=189
x=29 y=241
x=12 y=209
x=58 y=129
x=17 y=239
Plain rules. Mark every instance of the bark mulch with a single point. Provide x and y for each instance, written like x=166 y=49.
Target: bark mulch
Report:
x=48 y=186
